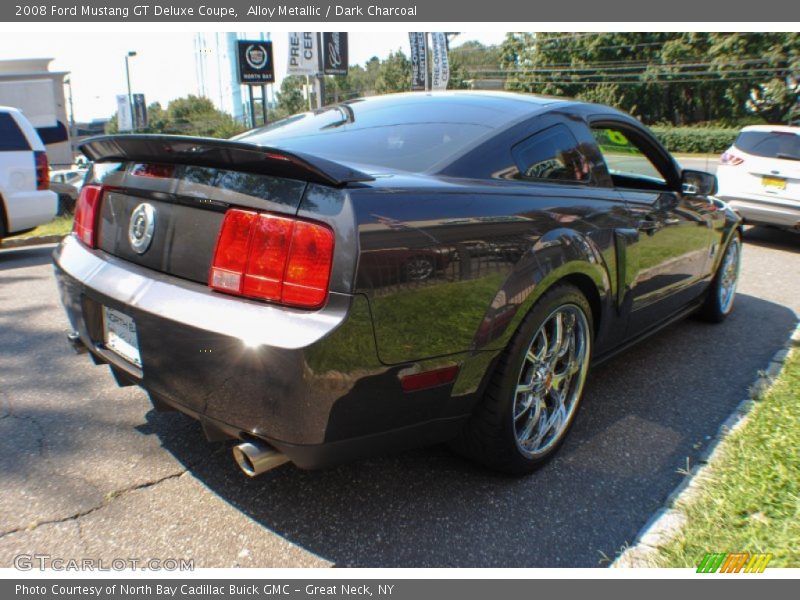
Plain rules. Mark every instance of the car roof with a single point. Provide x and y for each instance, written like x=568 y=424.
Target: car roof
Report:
x=776 y=128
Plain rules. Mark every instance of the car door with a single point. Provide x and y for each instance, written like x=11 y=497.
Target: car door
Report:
x=669 y=255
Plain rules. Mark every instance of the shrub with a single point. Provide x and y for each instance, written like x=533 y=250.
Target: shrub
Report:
x=704 y=140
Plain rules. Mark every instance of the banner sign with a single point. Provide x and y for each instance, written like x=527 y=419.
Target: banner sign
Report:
x=419 y=60
x=334 y=46
x=303 y=53
x=139 y=111
x=255 y=62
x=440 y=66
x=124 y=116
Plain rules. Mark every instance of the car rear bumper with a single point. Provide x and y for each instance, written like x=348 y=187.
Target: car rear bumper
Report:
x=26 y=210
x=763 y=211
x=247 y=369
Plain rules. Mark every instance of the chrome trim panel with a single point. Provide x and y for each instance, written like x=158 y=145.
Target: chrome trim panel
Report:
x=196 y=305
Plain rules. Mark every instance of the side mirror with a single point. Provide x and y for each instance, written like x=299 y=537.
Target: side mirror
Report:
x=698 y=183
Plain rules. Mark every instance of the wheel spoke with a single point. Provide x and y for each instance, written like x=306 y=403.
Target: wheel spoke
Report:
x=550 y=380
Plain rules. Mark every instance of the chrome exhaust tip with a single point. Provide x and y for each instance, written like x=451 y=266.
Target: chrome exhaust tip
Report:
x=255 y=458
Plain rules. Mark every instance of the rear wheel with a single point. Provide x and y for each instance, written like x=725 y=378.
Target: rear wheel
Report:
x=536 y=388
x=721 y=293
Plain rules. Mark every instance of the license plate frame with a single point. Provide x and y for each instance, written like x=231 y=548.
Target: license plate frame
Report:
x=773 y=183
x=120 y=335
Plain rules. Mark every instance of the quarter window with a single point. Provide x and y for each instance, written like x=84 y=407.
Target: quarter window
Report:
x=552 y=155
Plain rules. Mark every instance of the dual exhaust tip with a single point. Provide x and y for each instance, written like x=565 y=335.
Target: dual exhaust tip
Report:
x=255 y=458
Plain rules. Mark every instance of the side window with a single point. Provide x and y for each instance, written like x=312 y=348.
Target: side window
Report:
x=552 y=155
x=626 y=163
x=11 y=138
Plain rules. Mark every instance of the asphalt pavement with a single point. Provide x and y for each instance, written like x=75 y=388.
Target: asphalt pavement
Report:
x=90 y=470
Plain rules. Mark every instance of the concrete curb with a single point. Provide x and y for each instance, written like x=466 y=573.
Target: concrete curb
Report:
x=668 y=521
x=30 y=241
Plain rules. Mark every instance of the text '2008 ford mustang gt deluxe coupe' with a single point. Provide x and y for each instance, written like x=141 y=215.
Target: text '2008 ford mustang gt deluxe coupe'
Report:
x=390 y=272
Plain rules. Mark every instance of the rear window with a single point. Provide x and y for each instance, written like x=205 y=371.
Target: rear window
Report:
x=770 y=144
x=404 y=135
x=11 y=138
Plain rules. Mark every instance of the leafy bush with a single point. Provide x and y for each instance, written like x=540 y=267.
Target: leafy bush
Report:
x=701 y=140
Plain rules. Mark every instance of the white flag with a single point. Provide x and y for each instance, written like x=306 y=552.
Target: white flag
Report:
x=440 y=65
x=124 y=115
x=303 y=53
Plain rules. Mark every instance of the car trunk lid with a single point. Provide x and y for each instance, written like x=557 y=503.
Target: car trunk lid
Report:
x=189 y=184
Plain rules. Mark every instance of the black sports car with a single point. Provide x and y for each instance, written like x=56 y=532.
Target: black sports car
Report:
x=390 y=272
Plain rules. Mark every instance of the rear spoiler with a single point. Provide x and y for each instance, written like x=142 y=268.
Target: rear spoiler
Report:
x=220 y=154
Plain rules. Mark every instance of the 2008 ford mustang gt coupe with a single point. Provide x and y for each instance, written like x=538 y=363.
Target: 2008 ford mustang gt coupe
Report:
x=390 y=272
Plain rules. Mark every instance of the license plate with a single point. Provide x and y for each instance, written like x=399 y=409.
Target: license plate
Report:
x=774 y=182
x=120 y=335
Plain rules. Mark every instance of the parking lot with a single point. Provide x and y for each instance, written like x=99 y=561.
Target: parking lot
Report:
x=88 y=469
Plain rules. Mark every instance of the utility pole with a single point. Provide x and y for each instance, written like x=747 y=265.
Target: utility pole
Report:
x=130 y=95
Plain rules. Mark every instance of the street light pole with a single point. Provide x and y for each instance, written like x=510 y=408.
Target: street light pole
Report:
x=130 y=95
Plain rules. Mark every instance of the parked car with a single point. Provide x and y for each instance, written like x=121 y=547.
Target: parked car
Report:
x=25 y=199
x=66 y=184
x=759 y=175
x=230 y=278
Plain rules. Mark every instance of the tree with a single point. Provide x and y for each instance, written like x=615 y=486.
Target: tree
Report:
x=192 y=115
x=687 y=77
x=394 y=74
x=290 y=97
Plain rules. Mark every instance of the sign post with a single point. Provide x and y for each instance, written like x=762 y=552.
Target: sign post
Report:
x=256 y=68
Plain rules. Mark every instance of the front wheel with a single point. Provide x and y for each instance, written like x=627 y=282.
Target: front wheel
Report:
x=719 y=302
x=535 y=391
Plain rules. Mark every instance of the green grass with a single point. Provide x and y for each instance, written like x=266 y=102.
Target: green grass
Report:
x=58 y=226
x=750 y=501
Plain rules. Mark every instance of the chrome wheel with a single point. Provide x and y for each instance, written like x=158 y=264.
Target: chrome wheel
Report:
x=551 y=380
x=729 y=275
x=419 y=268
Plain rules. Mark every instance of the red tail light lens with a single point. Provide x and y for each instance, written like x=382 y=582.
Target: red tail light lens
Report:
x=273 y=258
x=86 y=211
x=729 y=158
x=42 y=170
x=309 y=266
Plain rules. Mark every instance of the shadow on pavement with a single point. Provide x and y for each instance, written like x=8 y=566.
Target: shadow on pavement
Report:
x=646 y=415
x=769 y=237
x=21 y=258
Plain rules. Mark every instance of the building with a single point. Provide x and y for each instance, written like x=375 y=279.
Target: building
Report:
x=217 y=70
x=29 y=85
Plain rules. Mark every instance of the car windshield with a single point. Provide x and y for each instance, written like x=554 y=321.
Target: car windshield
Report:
x=409 y=135
x=770 y=144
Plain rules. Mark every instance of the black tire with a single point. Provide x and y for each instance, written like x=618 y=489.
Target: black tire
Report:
x=716 y=308
x=66 y=205
x=490 y=436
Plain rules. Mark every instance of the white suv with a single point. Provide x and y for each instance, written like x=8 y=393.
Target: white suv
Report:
x=759 y=176
x=25 y=200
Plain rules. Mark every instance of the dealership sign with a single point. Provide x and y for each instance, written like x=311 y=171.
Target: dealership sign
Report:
x=255 y=62
x=440 y=65
x=335 y=53
x=303 y=53
x=419 y=60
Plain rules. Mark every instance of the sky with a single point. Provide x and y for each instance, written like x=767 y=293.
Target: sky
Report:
x=163 y=68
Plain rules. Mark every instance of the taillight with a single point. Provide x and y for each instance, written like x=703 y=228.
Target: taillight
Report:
x=86 y=212
x=729 y=158
x=273 y=258
x=42 y=170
